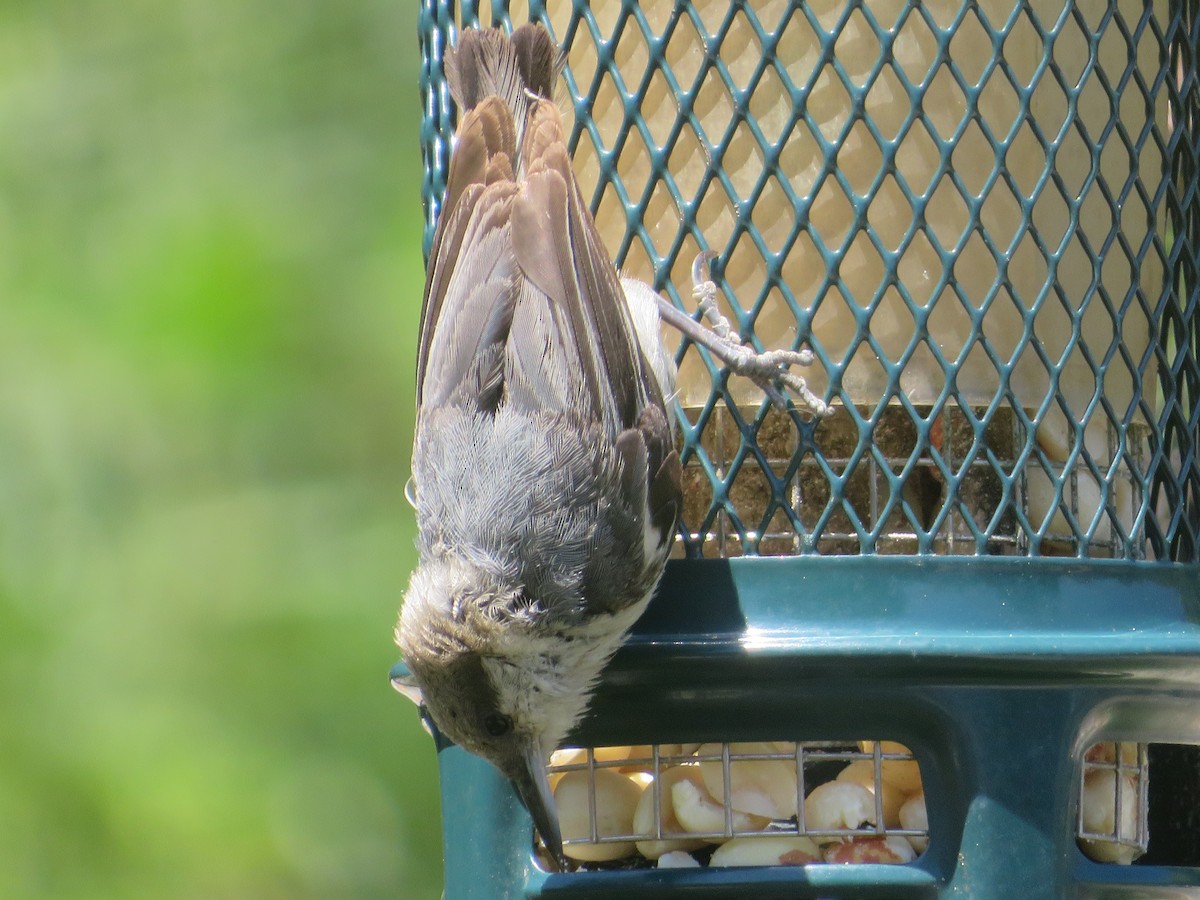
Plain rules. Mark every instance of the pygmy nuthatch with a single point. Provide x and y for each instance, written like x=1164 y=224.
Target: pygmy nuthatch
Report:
x=547 y=484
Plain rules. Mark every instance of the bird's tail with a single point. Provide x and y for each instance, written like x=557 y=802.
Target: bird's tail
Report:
x=487 y=62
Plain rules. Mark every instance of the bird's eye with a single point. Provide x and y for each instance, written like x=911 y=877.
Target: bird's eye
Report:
x=497 y=724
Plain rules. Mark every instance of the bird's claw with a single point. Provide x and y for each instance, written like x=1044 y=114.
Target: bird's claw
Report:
x=768 y=369
x=704 y=292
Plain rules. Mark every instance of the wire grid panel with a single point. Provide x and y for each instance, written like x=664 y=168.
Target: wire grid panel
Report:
x=1114 y=783
x=983 y=217
x=773 y=803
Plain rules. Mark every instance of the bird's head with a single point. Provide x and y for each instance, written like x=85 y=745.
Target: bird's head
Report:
x=456 y=637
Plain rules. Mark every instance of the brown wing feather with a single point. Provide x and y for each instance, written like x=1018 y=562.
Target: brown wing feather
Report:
x=486 y=146
x=543 y=253
x=557 y=247
x=464 y=343
x=648 y=452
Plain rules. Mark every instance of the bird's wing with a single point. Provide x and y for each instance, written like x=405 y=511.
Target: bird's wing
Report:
x=524 y=307
x=470 y=285
x=576 y=347
x=560 y=255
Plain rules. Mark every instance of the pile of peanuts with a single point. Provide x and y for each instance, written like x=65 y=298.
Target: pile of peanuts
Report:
x=750 y=809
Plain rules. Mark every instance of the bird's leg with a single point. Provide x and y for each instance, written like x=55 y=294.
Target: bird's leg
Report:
x=766 y=369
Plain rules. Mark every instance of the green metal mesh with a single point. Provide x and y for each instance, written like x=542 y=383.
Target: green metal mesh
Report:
x=984 y=217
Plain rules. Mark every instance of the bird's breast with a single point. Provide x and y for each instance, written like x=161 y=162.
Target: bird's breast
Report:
x=534 y=500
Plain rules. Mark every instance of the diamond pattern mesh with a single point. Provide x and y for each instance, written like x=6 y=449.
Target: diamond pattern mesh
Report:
x=983 y=217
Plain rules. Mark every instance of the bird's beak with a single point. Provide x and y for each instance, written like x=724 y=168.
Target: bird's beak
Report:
x=533 y=787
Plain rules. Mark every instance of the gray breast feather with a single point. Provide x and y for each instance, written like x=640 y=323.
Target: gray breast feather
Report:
x=530 y=499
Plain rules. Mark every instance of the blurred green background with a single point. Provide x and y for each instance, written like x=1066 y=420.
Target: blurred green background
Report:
x=210 y=278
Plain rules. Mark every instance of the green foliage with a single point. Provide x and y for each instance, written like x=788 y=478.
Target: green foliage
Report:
x=210 y=279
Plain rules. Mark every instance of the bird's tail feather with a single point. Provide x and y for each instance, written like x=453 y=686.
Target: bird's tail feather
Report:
x=486 y=62
x=539 y=59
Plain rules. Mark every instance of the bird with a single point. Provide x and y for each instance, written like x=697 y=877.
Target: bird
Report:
x=545 y=477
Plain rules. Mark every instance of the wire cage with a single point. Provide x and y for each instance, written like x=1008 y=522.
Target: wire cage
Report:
x=983 y=216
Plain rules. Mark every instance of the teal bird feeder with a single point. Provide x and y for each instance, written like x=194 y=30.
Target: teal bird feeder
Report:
x=946 y=642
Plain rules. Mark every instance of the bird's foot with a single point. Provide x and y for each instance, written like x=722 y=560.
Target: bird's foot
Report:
x=769 y=369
